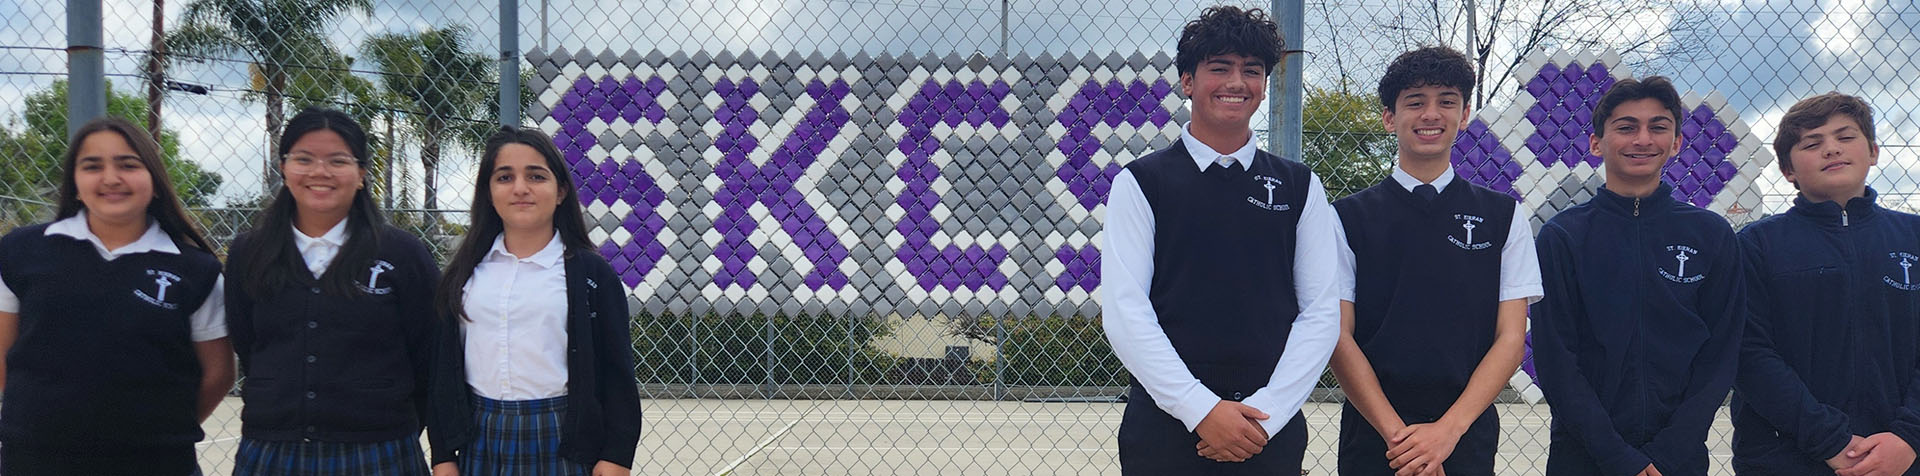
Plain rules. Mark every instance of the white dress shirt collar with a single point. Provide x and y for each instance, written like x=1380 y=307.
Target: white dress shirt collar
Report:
x=154 y=239
x=1408 y=182
x=1204 y=156
x=336 y=236
x=319 y=252
x=550 y=256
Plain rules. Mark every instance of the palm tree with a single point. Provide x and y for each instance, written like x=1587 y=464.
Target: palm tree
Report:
x=442 y=84
x=285 y=41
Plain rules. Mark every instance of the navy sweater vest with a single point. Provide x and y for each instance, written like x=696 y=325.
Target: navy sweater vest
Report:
x=1426 y=287
x=105 y=356
x=1223 y=263
x=1831 y=351
x=1426 y=305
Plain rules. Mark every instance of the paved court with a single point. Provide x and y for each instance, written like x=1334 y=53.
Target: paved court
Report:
x=893 y=437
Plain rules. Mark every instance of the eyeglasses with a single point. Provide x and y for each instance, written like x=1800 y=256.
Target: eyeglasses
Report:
x=305 y=164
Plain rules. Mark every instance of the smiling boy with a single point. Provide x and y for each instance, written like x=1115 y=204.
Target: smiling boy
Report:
x=1435 y=275
x=1827 y=378
x=1636 y=341
x=1216 y=286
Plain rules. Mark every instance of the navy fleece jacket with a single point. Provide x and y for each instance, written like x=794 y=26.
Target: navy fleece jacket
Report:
x=1636 y=340
x=1833 y=340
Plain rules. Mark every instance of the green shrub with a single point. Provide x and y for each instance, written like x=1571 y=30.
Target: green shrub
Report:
x=757 y=349
x=1045 y=351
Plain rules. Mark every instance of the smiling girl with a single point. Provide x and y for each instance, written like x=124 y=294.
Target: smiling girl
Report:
x=111 y=325
x=331 y=315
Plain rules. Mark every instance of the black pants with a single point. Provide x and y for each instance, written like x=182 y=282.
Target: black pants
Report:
x=23 y=459
x=1363 y=451
x=1155 y=443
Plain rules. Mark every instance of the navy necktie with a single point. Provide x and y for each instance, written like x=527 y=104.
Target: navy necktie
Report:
x=1426 y=191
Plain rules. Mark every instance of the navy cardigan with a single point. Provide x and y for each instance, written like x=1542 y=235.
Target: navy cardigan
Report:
x=325 y=367
x=603 y=404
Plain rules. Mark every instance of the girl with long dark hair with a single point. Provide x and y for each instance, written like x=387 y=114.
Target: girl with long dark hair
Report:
x=331 y=313
x=112 y=336
x=535 y=366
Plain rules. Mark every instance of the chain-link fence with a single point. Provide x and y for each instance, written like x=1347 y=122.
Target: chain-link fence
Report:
x=861 y=236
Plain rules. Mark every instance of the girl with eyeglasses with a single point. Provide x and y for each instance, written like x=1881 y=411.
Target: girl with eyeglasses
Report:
x=331 y=314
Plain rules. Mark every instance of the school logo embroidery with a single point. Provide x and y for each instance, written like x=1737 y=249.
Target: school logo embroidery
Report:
x=1270 y=184
x=1468 y=223
x=162 y=279
x=1905 y=261
x=1682 y=254
x=373 y=278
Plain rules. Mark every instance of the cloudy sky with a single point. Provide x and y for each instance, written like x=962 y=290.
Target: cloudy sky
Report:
x=1760 y=55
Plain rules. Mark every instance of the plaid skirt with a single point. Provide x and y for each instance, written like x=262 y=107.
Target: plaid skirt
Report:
x=517 y=438
x=400 y=457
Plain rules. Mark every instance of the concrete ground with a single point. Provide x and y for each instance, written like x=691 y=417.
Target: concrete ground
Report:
x=895 y=437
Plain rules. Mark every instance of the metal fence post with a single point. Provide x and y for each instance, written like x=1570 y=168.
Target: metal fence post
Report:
x=510 y=62
x=86 y=68
x=1000 y=361
x=1292 y=21
x=768 y=390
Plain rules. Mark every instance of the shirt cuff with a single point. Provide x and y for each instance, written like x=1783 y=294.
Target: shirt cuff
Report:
x=1531 y=292
x=1194 y=407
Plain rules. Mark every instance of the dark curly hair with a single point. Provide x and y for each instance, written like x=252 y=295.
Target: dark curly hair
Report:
x=1227 y=29
x=1653 y=87
x=1814 y=112
x=1427 y=66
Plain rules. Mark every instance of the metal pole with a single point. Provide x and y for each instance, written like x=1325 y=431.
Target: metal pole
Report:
x=1473 y=45
x=509 y=62
x=86 y=68
x=1000 y=357
x=1293 y=27
x=156 y=79
x=1003 y=27
x=543 y=25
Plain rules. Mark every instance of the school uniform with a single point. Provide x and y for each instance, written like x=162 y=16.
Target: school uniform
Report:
x=1217 y=286
x=1636 y=341
x=1830 y=349
x=335 y=384
x=539 y=378
x=1426 y=266
x=103 y=377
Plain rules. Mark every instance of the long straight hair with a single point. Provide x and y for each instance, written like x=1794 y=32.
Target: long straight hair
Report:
x=165 y=207
x=271 y=260
x=568 y=220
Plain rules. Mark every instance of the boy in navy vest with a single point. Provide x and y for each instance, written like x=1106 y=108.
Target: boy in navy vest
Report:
x=1827 y=377
x=1636 y=342
x=1435 y=276
x=1217 y=266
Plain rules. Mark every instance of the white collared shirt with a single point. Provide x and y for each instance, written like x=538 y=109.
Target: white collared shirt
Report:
x=207 y=323
x=516 y=335
x=319 y=252
x=1132 y=326
x=1204 y=156
x=1519 y=266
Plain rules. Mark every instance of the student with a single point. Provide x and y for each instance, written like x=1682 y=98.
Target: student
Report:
x=112 y=333
x=1636 y=341
x=535 y=369
x=1827 y=379
x=1435 y=276
x=331 y=313
x=1218 y=289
